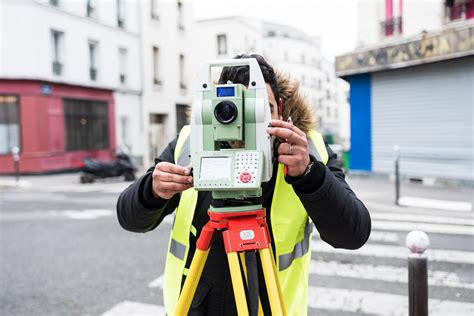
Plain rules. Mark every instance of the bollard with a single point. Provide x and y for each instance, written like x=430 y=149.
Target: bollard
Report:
x=396 y=150
x=16 y=163
x=417 y=241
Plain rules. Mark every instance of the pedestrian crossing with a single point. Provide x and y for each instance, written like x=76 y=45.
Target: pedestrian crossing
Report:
x=374 y=279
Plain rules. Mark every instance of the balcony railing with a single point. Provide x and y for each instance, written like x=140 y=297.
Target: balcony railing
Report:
x=57 y=68
x=392 y=26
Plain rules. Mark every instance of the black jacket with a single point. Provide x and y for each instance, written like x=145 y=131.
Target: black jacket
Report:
x=340 y=217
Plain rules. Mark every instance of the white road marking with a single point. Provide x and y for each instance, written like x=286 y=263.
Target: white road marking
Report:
x=422 y=218
x=375 y=236
x=384 y=273
x=128 y=308
x=435 y=204
x=426 y=227
x=13 y=183
x=113 y=187
x=378 y=303
x=383 y=236
x=52 y=214
x=87 y=214
x=158 y=282
x=387 y=251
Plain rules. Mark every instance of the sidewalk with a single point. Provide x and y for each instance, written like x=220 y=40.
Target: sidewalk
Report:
x=381 y=191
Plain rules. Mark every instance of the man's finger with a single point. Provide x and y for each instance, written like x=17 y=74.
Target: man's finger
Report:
x=284 y=149
x=283 y=124
x=286 y=134
x=172 y=168
x=176 y=187
x=171 y=177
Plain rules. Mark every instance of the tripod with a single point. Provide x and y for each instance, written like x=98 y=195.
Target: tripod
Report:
x=242 y=231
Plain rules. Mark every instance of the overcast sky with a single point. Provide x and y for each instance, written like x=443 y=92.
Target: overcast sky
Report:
x=333 y=20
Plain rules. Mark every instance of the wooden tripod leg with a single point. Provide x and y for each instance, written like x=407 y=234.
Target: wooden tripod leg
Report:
x=271 y=281
x=191 y=283
x=237 y=284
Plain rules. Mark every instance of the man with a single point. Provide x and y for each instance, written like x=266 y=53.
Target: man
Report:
x=312 y=191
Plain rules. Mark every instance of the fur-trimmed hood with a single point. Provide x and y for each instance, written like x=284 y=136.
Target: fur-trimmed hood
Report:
x=295 y=104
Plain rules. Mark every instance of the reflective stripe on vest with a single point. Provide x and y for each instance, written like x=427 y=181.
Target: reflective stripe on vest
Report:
x=177 y=249
x=300 y=249
x=292 y=246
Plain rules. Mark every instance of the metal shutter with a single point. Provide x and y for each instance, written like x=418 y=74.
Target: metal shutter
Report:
x=428 y=111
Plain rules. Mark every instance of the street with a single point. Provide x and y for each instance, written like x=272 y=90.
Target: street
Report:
x=64 y=253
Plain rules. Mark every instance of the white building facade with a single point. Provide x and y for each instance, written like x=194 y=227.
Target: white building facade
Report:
x=382 y=21
x=109 y=75
x=289 y=50
x=168 y=70
x=81 y=59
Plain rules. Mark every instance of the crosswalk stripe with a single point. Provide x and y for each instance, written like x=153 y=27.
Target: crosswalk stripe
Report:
x=435 y=204
x=381 y=236
x=329 y=299
x=135 y=309
x=378 y=303
x=388 y=251
x=422 y=218
x=426 y=227
x=384 y=273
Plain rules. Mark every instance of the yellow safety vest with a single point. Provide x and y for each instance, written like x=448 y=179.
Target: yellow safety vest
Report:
x=291 y=229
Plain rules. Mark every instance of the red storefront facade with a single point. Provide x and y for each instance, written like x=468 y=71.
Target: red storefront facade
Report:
x=47 y=122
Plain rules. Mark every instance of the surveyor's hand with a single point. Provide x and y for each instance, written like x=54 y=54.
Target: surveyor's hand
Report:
x=293 y=151
x=169 y=179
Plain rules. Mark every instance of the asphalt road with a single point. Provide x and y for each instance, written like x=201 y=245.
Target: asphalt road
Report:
x=64 y=253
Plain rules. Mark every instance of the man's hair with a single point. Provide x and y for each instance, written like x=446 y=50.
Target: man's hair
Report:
x=240 y=74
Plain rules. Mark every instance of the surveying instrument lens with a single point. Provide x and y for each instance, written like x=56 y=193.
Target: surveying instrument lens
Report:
x=225 y=112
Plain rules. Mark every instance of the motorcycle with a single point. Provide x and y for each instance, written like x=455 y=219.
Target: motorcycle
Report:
x=93 y=169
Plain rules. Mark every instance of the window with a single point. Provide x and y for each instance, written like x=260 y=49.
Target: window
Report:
x=123 y=64
x=180 y=15
x=91 y=8
x=87 y=124
x=57 y=41
x=154 y=9
x=221 y=44
x=181 y=116
x=156 y=66
x=285 y=55
x=303 y=58
x=54 y=2
x=303 y=80
x=9 y=124
x=93 y=60
x=182 y=81
x=328 y=112
x=120 y=13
